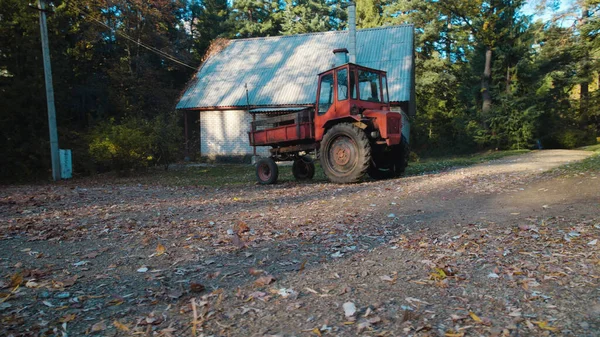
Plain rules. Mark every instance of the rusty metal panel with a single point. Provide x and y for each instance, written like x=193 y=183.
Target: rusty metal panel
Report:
x=283 y=70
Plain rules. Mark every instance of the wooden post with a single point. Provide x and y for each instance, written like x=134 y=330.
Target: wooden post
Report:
x=49 y=93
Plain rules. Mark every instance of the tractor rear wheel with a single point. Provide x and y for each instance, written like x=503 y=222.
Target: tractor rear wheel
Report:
x=266 y=171
x=345 y=153
x=303 y=168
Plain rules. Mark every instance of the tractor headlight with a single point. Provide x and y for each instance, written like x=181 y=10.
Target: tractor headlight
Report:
x=374 y=134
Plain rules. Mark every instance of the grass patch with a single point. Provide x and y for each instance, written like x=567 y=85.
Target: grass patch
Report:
x=594 y=148
x=218 y=175
x=591 y=164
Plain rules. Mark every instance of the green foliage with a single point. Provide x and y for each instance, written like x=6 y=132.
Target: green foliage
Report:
x=121 y=146
x=135 y=143
x=569 y=139
x=305 y=16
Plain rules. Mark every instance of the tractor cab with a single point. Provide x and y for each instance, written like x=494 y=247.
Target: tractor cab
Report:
x=348 y=91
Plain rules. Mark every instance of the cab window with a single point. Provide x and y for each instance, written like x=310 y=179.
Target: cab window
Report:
x=342 y=84
x=368 y=86
x=325 y=93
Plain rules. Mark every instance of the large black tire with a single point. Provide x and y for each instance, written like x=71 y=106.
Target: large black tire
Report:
x=389 y=162
x=303 y=168
x=402 y=158
x=379 y=171
x=345 y=153
x=266 y=171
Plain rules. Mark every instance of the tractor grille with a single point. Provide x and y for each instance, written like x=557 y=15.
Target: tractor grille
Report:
x=393 y=126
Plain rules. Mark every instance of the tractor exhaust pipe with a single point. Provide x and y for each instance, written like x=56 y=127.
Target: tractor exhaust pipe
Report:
x=352 y=32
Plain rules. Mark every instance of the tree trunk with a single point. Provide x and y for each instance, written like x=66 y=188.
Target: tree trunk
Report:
x=584 y=94
x=485 y=86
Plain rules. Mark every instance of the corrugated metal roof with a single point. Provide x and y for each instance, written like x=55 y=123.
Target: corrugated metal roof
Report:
x=275 y=110
x=283 y=70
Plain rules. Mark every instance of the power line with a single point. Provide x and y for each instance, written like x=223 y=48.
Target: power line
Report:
x=141 y=44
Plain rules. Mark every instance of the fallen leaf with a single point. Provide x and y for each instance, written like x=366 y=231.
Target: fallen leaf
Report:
x=349 y=309
x=454 y=334
x=70 y=281
x=67 y=318
x=337 y=254
x=120 y=326
x=388 y=278
x=197 y=287
x=362 y=326
x=15 y=280
x=475 y=317
x=241 y=227
x=100 y=326
x=438 y=275
x=544 y=326
x=256 y=272
x=32 y=284
x=264 y=280
x=257 y=295
x=412 y=299
x=91 y=255
x=302 y=266
x=160 y=250
x=457 y=317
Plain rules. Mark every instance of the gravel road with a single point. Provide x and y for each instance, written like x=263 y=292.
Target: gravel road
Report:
x=505 y=248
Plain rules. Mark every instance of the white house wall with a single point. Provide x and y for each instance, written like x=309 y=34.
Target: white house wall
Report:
x=225 y=133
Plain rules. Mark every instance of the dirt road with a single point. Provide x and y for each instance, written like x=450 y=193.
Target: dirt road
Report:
x=502 y=248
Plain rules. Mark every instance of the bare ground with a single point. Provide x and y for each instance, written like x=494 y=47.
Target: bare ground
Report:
x=503 y=248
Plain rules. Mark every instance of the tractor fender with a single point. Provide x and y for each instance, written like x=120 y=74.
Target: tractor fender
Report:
x=346 y=119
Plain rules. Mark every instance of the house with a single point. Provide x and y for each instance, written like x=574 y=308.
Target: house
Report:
x=250 y=77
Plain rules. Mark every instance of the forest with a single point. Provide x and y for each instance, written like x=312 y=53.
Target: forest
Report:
x=489 y=74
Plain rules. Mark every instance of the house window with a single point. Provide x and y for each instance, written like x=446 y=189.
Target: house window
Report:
x=342 y=84
x=369 y=87
x=325 y=93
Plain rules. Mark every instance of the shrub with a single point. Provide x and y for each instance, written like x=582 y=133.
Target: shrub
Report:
x=121 y=147
x=135 y=143
x=569 y=138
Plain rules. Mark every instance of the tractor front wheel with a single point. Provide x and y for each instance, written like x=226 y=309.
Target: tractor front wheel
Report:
x=266 y=171
x=303 y=168
x=345 y=153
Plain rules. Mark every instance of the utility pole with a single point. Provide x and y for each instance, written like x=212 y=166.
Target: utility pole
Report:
x=49 y=93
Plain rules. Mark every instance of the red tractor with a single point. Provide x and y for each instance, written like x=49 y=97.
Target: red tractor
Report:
x=350 y=127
